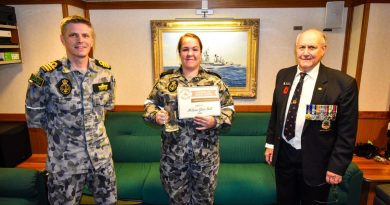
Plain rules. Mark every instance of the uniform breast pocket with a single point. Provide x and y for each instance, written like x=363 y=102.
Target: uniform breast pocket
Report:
x=101 y=98
x=64 y=103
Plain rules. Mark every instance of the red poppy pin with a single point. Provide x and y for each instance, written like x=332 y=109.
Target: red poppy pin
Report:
x=285 y=90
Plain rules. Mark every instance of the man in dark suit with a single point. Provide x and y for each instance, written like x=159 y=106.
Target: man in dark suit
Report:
x=312 y=129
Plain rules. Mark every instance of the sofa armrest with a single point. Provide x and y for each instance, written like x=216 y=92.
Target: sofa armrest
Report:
x=21 y=183
x=348 y=192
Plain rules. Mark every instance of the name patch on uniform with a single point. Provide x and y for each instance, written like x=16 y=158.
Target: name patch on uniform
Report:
x=64 y=86
x=172 y=86
x=101 y=87
x=36 y=80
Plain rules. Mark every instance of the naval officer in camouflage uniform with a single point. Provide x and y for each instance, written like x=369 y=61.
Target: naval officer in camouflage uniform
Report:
x=68 y=99
x=190 y=156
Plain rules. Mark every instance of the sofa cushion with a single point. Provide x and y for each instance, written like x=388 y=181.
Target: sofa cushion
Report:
x=18 y=201
x=350 y=187
x=232 y=188
x=154 y=192
x=242 y=149
x=135 y=148
x=20 y=182
x=130 y=179
x=245 y=184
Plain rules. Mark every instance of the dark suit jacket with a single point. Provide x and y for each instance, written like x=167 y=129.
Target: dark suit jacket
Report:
x=322 y=150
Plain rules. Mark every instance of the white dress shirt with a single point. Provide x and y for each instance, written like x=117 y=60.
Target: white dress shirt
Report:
x=306 y=96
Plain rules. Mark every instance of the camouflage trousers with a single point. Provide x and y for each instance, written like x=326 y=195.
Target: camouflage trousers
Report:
x=189 y=176
x=67 y=189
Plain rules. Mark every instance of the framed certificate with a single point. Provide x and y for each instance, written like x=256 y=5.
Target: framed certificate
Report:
x=201 y=100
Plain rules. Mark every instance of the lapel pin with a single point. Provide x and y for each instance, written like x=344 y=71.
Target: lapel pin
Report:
x=285 y=90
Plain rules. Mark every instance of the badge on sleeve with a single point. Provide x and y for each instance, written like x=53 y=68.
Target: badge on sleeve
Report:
x=64 y=86
x=101 y=87
x=172 y=86
x=36 y=80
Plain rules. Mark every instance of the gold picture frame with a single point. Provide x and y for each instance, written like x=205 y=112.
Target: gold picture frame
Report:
x=230 y=48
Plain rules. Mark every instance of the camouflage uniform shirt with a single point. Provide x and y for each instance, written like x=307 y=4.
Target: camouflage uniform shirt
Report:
x=70 y=107
x=164 y=92
x=189 y=151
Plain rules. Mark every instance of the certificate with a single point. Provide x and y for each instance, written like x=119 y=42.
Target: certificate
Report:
x=201 y=100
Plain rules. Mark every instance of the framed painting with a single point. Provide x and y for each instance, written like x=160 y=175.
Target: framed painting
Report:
x=230 y=48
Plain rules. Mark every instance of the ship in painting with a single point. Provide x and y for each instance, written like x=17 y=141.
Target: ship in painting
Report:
x=217 y=62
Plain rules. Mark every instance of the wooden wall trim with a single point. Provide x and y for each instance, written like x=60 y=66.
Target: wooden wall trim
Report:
x=252 y=108
x=362 y=44
x=374 y=115
x=359 y=2
x=372 y=124
x=181 y=4
x=191 y=4
x=12 y=117
x=239 y=108
x=265 y=3
x=347 y=40
x=76 y=3
x=65 y=10
x=129 y=108
x=145 y=5
x=86 y=14
x=17 y=117
x=212 y=4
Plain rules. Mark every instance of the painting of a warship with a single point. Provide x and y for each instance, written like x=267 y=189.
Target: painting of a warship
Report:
x=234 y=75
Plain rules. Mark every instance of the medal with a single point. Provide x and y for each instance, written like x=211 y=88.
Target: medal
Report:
x=334 y=113
x=318 y=111
x=308 y=115
x=325 y=124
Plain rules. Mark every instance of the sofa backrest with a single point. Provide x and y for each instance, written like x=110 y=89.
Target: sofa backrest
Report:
x=244 y=141
x=249 y=124
x=134 y=140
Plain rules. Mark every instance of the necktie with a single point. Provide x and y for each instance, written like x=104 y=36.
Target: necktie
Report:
x=289 y=127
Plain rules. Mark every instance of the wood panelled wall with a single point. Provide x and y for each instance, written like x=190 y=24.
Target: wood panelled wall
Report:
x=372 y=125
x=190 y=4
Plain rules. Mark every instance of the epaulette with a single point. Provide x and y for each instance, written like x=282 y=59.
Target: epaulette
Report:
x=102 y=64
x=170 y=71
x=51 y=66
x=213 y=73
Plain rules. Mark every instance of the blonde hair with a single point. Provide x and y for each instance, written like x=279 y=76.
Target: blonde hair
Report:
x=74 y=19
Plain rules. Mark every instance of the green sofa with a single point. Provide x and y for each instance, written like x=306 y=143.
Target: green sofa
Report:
x=20 y=186
x=244 y=178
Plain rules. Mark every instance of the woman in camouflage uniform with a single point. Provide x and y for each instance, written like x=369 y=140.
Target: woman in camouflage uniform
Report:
x=189 y=156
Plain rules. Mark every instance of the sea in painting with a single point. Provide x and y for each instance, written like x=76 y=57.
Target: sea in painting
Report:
x=234 y=75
